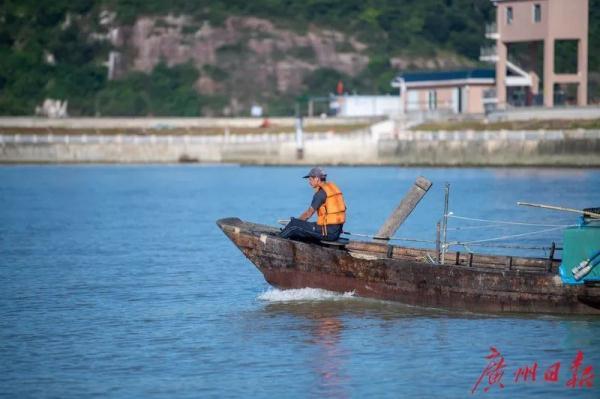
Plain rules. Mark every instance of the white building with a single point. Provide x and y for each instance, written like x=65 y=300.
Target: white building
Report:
x=355 y=105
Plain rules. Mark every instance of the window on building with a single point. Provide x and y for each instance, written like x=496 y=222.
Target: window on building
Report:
x=509 y=15
x=537 y=13
x=413 y=100
x=432 y=99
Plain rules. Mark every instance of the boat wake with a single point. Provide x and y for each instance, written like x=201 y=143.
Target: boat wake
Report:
x=303 y=294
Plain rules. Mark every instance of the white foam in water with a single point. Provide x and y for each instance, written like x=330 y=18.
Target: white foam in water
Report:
x=302 y=294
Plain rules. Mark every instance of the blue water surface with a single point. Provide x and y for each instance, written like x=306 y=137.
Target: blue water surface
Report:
x=116 y=282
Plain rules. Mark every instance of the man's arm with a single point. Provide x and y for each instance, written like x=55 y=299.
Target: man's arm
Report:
x=307 y=214
x=317 y=201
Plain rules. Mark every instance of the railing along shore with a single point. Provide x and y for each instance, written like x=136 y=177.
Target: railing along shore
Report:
x=405 y=135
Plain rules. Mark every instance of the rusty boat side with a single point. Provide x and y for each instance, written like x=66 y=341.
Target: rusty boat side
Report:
x=480 y=283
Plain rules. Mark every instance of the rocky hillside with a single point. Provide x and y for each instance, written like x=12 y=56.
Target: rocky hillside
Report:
x=251 y=59
x=246 y=55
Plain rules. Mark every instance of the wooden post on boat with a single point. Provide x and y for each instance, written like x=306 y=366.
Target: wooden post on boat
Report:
x=404 y=209
x=550 y=259
x=437 y=242
x=445 y=222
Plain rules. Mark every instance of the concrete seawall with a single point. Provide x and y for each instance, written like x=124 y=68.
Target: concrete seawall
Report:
x=543 y=113
x=495 y=148
x=167 y=123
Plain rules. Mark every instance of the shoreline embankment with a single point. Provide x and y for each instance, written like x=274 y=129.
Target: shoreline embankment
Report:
x=382 y=143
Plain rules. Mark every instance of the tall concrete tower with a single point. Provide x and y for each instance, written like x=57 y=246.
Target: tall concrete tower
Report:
x=546 y=21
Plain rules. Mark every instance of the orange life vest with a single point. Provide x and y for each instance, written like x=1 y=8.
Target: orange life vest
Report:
x=333 y=211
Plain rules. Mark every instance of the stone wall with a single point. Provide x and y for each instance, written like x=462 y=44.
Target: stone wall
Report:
x=168 y=123
x=543 y=113
x=528 y=148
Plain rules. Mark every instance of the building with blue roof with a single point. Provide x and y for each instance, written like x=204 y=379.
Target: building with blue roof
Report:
x=515 y=81
x=462 y=91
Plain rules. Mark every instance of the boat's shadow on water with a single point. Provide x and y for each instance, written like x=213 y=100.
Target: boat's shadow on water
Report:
x=352 y=306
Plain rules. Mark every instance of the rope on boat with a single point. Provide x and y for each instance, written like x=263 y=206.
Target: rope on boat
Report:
x=455 y=243
x=411 y=239
x=508 y=236
x=451 y=215
x=485 y=226
x=482 y=242
x=509 y=246
x=475 y=242
x=495 y=223
x=390 y=239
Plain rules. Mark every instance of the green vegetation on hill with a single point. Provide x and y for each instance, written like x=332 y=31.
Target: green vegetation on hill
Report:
x=164 y=92
x=419 y=26
x=31 y=30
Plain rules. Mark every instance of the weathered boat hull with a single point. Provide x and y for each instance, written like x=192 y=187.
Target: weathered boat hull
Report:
x=398 y=274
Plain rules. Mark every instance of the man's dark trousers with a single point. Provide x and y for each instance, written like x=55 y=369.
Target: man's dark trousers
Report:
x=298 y=229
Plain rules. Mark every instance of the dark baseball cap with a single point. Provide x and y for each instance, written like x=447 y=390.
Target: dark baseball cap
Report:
x=316 y=172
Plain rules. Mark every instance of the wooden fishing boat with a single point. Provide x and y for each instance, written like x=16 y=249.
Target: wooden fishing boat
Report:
x=422 y=277
x=467 y=281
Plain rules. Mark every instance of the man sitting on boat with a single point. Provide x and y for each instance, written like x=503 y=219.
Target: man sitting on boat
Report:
x=328 y=201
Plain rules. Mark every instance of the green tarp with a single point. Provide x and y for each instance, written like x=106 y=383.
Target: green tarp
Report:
x=579 y=244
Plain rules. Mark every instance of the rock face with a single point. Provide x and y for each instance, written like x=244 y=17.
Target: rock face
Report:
x=247 y=59
x=251 y=55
